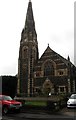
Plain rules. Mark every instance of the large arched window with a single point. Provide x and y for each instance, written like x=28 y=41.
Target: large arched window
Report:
x=48 y=69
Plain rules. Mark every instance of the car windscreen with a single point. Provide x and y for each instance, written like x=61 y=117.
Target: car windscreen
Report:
x=0 y=97
x=7 y=98
x=73 y=97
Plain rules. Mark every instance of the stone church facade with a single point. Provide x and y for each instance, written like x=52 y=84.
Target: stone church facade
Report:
x=50 y=72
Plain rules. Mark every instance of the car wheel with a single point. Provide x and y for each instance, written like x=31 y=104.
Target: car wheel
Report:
x=5 y=110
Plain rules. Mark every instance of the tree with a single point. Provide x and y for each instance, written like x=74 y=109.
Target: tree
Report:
x=9 y=85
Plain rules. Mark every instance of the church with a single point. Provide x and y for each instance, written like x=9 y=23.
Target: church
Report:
x=51 y=73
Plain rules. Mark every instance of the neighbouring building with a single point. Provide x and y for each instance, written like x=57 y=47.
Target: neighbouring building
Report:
x=51 y=72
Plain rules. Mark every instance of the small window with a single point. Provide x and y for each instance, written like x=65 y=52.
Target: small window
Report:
x=60 y=72
x=61 y=89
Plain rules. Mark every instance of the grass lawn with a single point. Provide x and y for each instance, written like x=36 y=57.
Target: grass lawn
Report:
x=36 y=103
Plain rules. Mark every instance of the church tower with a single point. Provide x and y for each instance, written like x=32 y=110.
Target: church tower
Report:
x=28 y=54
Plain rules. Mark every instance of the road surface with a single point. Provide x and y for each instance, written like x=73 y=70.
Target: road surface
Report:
x=65 y=114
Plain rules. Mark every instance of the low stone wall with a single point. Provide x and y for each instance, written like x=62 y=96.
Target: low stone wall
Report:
x=52 y=98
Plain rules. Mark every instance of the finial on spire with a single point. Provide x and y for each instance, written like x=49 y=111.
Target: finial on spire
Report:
x=48 y=44
x=68 y=58
x=29 y=0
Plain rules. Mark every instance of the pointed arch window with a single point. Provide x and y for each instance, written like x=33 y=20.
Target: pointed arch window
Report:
x=48 y=69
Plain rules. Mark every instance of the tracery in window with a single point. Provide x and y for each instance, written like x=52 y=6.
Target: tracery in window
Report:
x=48 y=69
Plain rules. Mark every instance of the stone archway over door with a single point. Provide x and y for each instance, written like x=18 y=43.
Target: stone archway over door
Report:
x=48 y=87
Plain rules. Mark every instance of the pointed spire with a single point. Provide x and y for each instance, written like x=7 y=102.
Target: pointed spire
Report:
x=29 y=23
x=29 y=0
x=29 y=31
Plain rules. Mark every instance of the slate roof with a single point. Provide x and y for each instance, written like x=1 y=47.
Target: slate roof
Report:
x=61 y=80
x=60 y=61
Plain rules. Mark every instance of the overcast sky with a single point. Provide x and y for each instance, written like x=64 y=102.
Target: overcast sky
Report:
x=54 y=22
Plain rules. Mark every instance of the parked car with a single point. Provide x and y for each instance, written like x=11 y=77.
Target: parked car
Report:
x=71 y=103
x=9 y=104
